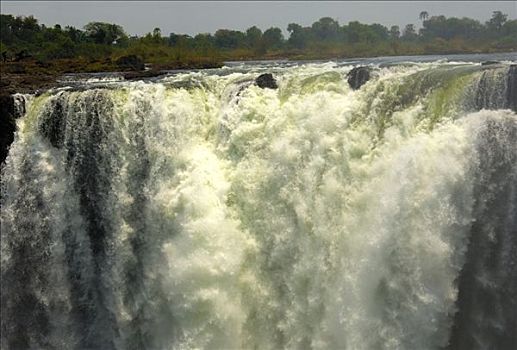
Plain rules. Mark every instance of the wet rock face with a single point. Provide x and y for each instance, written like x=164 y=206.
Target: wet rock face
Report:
x=358 y=76
x=7 y=124
x=511 y=91
x=488 y=63
x=10 y=110
x=266 y=81
x=497 y=88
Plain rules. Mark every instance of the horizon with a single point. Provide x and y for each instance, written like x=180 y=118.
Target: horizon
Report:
x=193 y=17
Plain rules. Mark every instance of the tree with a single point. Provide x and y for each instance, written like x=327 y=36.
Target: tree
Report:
x=204 y=42
x=452 y=27
x=15 y=29
x=497 y=21
x=253 y=36
x=409 y=32
x=104 y=33
x=356 y=32
x=326 y=28
x=297 y=36
x=6 y=28
x=273 y=38
x=180 y=40
x=74 y=34
x=156 y=37
x=378 y=32
x=423 y=16
x=229 y=39
x=510 y=28
x=394 y=32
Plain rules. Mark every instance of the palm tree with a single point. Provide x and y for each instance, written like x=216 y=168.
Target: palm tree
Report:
x=423 y=16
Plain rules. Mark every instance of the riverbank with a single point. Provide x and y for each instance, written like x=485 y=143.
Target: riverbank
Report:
x=33 y=76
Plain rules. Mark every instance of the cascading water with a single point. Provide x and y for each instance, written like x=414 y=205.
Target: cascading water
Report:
x=200 y=211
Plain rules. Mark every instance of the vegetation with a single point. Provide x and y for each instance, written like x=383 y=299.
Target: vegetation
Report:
x=106 y=47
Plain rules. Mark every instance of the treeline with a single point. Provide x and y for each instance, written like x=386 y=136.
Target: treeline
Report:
x=325 y=38
x=438 y=34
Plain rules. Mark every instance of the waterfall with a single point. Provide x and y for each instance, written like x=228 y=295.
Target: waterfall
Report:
x=199 y=211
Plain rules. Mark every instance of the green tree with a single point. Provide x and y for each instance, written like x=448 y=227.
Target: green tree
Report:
x=76 y=35
x=497 y=21
x=19 y=29
x=409 y=32
x=394 y=32
x=297 y=36
x=229 y=39
x=204 y=42
x=273 y=38
x=326 y=28
x=423 y=16
x=448 y=28
x=510 y=28
x=253 y=36
x=104 y=33
x=378 y=32
x=7 y=35
x=356 y=32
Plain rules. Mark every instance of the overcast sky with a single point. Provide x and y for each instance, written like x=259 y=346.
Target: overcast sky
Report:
x=192 y=17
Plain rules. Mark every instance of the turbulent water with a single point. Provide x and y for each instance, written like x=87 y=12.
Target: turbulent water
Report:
x=199 y=211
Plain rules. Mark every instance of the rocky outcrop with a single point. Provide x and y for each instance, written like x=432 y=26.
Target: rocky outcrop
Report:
x=497 y=88
x=132 y=62
x=7 y=124
x=511 y=90
x=488 y=63
x=143 y=75
x=358 y=76
x=266 y=80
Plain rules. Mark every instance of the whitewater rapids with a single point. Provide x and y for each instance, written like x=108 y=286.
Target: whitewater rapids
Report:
x=199 y=211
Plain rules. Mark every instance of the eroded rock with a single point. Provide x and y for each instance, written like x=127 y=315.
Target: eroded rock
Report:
x=266 y=80
x=7 y=124
x=488 y=63
x=358 y=76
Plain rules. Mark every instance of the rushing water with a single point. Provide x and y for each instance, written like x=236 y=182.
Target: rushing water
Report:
x=199 y=211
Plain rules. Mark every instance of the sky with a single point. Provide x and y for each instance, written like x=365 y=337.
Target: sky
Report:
x=192 y=17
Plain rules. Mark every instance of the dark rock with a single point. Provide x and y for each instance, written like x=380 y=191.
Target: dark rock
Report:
x=7 y=124
x=358 y=76
x=511 y=89
x=266 y=81
x=487 y=63
x=142 y=75
x=130 y=62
